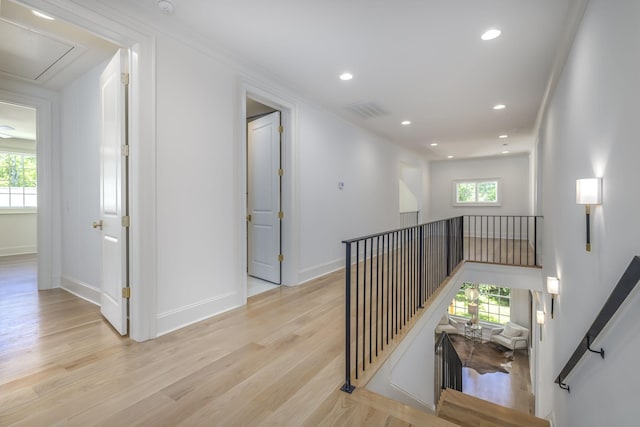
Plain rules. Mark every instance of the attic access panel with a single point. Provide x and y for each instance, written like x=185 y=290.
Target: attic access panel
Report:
x=28 y=54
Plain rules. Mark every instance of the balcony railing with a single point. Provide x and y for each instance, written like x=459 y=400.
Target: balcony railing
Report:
x=390 y=276
x=503 y=239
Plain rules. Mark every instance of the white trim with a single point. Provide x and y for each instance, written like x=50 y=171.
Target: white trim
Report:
x=290 y=224
x=112 y=25
x=18 y=250
x=81 y=289
x=18 y=211
x=319 y=270
x=181 y=317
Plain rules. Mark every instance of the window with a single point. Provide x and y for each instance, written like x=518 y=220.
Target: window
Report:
x=476 y=192
x=18 y=188
x=494 y=303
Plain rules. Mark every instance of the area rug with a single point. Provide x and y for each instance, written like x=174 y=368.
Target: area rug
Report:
x=482 y=357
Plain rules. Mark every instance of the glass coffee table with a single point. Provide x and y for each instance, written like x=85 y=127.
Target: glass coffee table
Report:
x=473 y=332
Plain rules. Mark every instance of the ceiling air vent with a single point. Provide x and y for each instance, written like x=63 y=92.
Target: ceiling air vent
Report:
x=366 y=110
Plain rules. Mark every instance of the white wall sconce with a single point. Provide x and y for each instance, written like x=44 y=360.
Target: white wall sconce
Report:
x=552 y=287
x=588 y=192
x=540 y=320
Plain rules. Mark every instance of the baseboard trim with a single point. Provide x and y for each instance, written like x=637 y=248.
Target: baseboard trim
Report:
x=19 y=250
x=81 y=289
x=311 y=273
x=178 y=318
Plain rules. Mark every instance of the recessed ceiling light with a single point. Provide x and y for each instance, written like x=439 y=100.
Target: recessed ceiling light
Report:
x=4 y=135
x=166 y=6
x=346 y=76
x=499 y=107
x=405 y=123
x=503 y=136
x=42 y=15
x=449 y=157
x=490 y=34
x=434 y=144
x=505 y=152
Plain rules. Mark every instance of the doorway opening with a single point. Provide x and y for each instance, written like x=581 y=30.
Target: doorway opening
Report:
x=264 y=171
x=18 y=180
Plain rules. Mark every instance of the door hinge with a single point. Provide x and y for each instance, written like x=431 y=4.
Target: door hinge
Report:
x=124 y=150
x=126 y=292
x=124 y=78
x=280 y=215
x=249 y=217
x=280 y=172
x=126 y=221
x=280 y=258
x=280 y=129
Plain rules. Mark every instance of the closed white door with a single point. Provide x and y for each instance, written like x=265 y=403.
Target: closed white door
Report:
x=263 y=198
x=113 y=191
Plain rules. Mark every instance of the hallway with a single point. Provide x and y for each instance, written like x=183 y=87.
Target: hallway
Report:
x=276 y=361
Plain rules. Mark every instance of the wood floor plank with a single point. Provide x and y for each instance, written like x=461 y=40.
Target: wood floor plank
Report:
x=277 y=361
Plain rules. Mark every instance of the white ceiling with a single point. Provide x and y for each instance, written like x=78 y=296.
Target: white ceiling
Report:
x=22 y=119
x=419 y=60
x=50 y=54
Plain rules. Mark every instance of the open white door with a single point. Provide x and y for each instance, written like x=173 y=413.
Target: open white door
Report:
x=113 y=191
x=263 y=197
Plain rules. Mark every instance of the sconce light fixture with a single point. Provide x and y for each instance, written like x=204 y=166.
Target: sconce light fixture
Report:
x=552 y=288
x=588 y=192
x=540 y=320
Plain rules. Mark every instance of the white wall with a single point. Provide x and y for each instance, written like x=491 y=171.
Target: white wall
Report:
x=591 y=129
x=331 y=150
x=19 y=235
x=199 y=270
x=80 y=175
x=514 y=195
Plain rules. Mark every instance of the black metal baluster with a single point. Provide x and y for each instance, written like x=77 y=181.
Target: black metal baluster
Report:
x=347 y=352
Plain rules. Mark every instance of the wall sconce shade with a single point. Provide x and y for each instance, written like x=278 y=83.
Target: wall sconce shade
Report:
x=588 y=192
x=552 y=287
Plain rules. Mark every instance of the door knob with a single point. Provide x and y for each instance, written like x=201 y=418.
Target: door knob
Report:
x=97 y=224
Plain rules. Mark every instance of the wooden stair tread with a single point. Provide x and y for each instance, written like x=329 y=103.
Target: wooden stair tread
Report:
x=466 y=410
x=398 y=410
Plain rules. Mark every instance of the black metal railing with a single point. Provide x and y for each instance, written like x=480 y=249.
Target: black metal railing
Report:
x=448 y=367
x=503 y=239
x=624 y=287
x=388 y=277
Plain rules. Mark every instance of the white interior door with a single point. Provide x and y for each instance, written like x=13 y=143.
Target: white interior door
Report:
x=113 y=191
x=263 y=197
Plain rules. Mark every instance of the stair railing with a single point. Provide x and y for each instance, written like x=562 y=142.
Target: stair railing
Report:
x=388 y=278
x=624 y=287
x=448 y=366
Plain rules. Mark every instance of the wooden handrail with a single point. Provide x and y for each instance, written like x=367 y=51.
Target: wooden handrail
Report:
x=624 y=287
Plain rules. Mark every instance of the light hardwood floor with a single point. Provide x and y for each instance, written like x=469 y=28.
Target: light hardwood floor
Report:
x=276 y=361
x=512 y=390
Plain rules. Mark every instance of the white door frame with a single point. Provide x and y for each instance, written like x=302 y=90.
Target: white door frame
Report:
x=289 y=201
x=106 y=23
